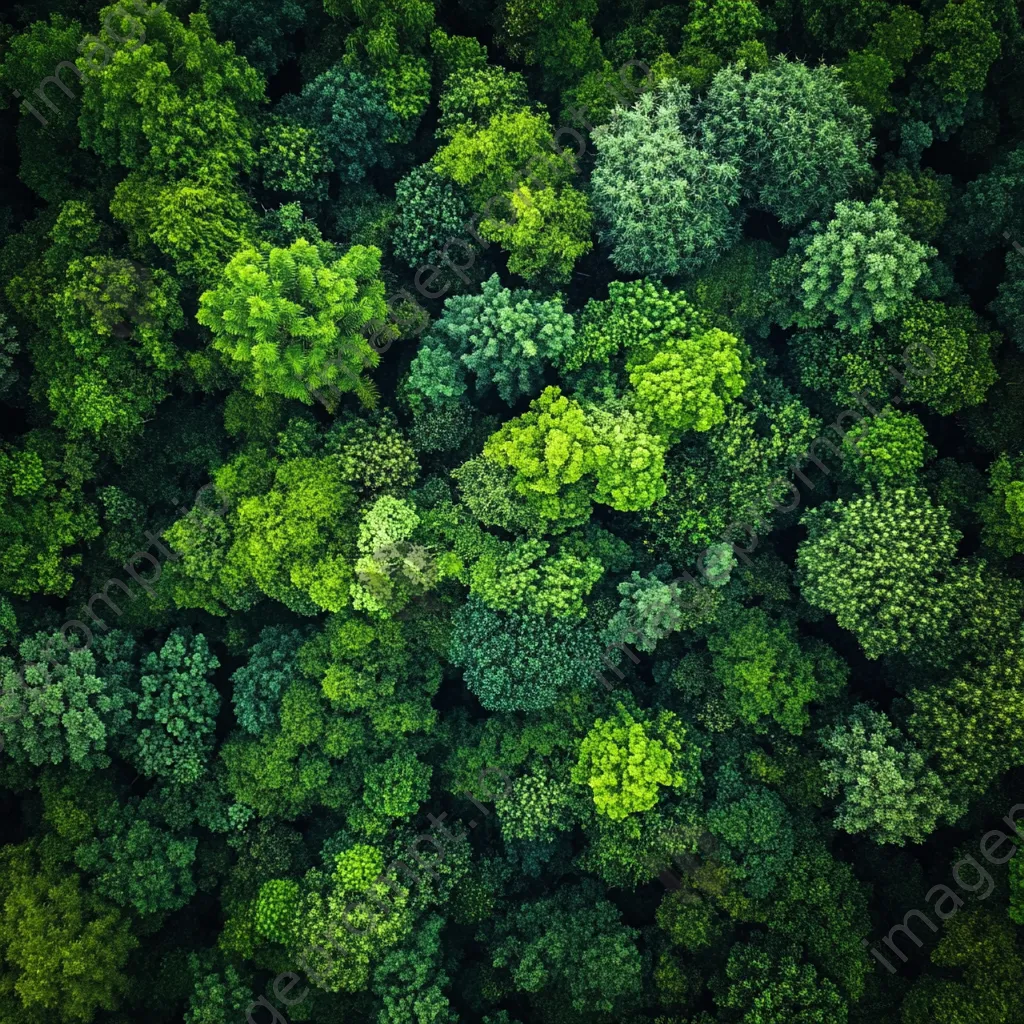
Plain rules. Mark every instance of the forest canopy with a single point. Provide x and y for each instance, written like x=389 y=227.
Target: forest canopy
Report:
x=511 y=512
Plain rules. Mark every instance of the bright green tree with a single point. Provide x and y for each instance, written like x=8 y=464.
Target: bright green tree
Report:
x=625 y=760
x=173 y=101
x=294 y=325
x=688 y=382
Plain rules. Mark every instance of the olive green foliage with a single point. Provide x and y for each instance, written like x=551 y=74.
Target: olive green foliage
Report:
x=970 y=720
x=42 y=514
x=545 y=233
x=173 y=101
x=769 y=983
x=963 y=44
x=765 y=671
x=882 y=565
x=65 y=948
x=105 y=352
x=1002 y=511
x=952 y=353
x=922 y=200
x=571 y=947
x=886 y=786
x=292 y=324
x=198 y=225
x=981 y=949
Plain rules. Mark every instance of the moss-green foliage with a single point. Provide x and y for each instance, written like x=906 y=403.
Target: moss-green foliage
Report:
x=43 y=514
x=765 y=671
x=65 y=948
x=519 y=660
x=882 y=565
x=858 y=270
x=735 y=475
x=292 y=160
x=1002 y=511
x=971 y=712
x=544 y=944
x=887 y=788
x=525 y=576
x=889 y=448
x=105 y=350
x=952 y=353
x=636 y=317
x=770 y=982
x=138 y=864
x=688 y=382
x=177 y=709
x=521 y=188
x=550 y=450
x=172 y=101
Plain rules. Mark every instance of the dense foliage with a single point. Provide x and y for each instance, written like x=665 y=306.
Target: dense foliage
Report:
x=511 y=512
